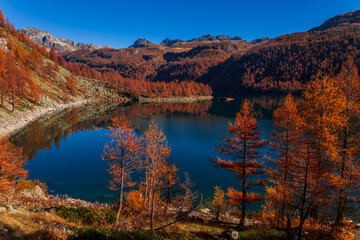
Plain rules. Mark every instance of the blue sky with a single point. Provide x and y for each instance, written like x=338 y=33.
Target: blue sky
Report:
x=120 y=23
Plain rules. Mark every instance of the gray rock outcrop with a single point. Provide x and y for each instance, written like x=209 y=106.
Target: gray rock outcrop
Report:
x=45 y=38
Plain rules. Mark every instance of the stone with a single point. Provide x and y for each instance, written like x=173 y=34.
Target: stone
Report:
x=18 y=207
x=35 y=192
x=230 y=234
x=51 y=209
x=141 y=42
x=46 y=39
x=169 y=42
x=9 y=208
x=34 y=210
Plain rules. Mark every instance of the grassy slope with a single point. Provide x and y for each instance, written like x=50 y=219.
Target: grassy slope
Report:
x=46 y=225
x=51 y=91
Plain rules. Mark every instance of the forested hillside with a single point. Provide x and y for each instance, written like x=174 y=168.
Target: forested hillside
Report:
x=31 y=76
x=284 y=64
x=183 y=61
x=288 y=62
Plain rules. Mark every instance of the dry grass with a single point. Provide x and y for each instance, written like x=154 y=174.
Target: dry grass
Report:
x=44 y=225
x=193 y=231
x=50 y=201
x=26 y=225
x=178 y=50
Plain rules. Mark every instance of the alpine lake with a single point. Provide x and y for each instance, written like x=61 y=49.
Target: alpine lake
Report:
x=65 y=148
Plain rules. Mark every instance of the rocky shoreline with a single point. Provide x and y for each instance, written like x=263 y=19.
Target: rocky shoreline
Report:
x=176 y=99
x=16 y=123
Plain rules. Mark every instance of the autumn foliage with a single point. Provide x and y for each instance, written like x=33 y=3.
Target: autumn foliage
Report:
x=312 y=166
x=311 y=171
x=242 y=148
x=123 y=157
x=316 y=162
x=128 y=153
x=23 y=63
x=11 y=164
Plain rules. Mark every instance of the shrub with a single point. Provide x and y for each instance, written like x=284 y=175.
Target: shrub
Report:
x=259 y=234
x=87 y=216
x=97 y=233
x=26 y=184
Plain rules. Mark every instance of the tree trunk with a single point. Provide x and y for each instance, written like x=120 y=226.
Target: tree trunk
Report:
x=243 y=202
x=282 y=211
x=146 y=187
x=120 y=207
x=288 y=228
x=13 y=102
x=152 y=212
x=303 y=198
x=168 y=197
x=121 y=192
x=341 y=201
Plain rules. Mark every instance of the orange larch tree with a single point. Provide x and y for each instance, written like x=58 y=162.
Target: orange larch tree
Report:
x=159 y=173
x=71 y=85
x=242 y=148
x=218 y=201
x=36 y=58
x=3 y=82
x=13 y=78
x=123 y=154
x=345 y=177
x=43 y=51
x=322 y=112
x=11 y=165
x=285 y=140
x=53 y=55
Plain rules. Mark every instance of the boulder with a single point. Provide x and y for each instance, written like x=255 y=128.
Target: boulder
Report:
x=9 y=208
x=35 y=192
x=230 y=234
x=18 y=207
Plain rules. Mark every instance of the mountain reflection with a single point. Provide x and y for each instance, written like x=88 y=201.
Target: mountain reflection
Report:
x=50 y=129
x=53 y=128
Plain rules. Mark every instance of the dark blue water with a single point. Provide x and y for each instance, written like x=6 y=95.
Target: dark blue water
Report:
x=66 y=154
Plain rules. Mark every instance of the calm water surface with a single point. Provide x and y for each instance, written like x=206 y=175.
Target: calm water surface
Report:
x=65 y=149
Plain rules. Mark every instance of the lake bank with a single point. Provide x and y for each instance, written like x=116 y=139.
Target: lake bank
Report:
x=190 y=99
x=15 y=123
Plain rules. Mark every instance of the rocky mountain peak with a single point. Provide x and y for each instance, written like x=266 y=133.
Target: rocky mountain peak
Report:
x=341 y=19
x=260 y=40
x=45 y=38
x=169 y=42
x=219 y=38
x=141 y=42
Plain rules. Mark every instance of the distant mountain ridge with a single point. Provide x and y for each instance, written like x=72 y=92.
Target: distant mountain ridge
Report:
x=142 y=42
x=45 y=38
x=218 y=38
x=339 y=20
x=285 y=63
x=288 y=62
x=260 y=40
x=169 y=42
